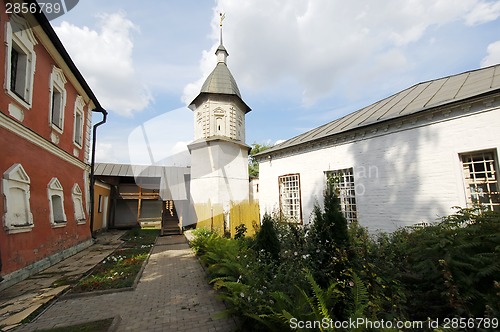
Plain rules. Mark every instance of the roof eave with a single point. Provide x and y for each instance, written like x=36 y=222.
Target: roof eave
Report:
x=192 y=106
x=47 y=28
x=282 y=146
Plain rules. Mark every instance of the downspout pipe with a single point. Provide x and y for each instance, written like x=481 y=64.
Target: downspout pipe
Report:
x=92 y=165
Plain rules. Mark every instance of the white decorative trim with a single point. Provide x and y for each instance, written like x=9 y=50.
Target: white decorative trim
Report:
x=16 y=112
x=87 y=129
x=76 y=194
x=78 y=110
x=17 y=178
x=32 y=137
x=19 y=32
x=54 y=137
x=55 y=189
x=56 y=85
x=22 y=229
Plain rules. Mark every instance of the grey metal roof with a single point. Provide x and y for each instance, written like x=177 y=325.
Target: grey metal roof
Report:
x=221 y=81
x=420 y=97
x=173 y=184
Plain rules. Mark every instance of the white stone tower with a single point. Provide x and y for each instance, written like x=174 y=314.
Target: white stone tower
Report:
x=219 y=155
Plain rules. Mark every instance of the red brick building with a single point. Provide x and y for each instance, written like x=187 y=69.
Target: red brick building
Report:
x=45 y=123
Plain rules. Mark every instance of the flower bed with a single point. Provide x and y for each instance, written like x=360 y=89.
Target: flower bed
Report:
x=120 y=269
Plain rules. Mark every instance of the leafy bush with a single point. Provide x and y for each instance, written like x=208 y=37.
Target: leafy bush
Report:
x=267 y=239
x=448 y=269
x=240 y=231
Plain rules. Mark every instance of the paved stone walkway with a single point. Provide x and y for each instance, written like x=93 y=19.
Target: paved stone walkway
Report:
x=172 y=295
x=20 y=300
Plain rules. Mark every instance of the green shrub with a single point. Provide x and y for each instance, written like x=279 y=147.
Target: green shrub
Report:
x=240 y=231
x=267 y=239
x=448 y=269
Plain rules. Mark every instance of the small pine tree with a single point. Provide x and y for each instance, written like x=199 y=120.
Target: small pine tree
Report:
x=267 y=239
x=328 y=242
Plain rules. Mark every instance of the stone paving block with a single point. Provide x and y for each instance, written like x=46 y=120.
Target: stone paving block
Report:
x=172 y=295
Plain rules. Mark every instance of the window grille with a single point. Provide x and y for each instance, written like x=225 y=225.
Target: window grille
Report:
x=290 y=204
x=481 y=179
x=342 y=181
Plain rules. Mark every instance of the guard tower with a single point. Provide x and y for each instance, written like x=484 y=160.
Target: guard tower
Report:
x=219 y=155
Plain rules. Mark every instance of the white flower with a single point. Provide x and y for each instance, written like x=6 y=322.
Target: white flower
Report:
x=295 y=253
x=242 y=294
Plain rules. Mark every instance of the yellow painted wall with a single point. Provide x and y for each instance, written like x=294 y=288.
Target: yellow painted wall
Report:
x=212 y=217
x=246 y=213
x=104 y=191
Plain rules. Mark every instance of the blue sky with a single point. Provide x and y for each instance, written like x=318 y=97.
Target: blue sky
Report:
x=298 y=63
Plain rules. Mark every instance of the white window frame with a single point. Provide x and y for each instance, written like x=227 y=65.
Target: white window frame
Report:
x=18 y=217
x=20 y=37
x=345 y=188
x=57 y=92
x=55 y=190
x=480 y=172
x=78 y=127
x=290 y=198
x=77 y=196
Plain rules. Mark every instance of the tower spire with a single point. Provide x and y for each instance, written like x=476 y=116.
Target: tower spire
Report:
x=222 y=17
x=221 y=50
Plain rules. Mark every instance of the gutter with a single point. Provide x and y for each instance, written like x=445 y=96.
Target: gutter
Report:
x=92 y=165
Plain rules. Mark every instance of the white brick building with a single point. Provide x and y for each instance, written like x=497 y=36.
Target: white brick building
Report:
x=406 y=159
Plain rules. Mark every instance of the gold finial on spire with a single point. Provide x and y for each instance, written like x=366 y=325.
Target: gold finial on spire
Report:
x=222 y=17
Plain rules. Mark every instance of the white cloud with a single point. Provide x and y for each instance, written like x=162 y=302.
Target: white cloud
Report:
x=493 y=56
x=162 y=139
x=110 y=150
x=105 y=59
x=484 y=12
x=207 y=64
x=325 y=46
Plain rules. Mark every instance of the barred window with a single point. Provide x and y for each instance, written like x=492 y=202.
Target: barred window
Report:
x=290 y=204
x=343 y=184
x=481 y=179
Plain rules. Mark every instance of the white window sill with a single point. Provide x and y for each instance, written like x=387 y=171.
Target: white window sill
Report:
x=56 y=128
x=81 y=221
x=59 y=225
x=19 y=229
x=18 y=99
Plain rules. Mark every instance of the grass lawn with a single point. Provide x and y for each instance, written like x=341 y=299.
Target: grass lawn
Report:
x=120 y=269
